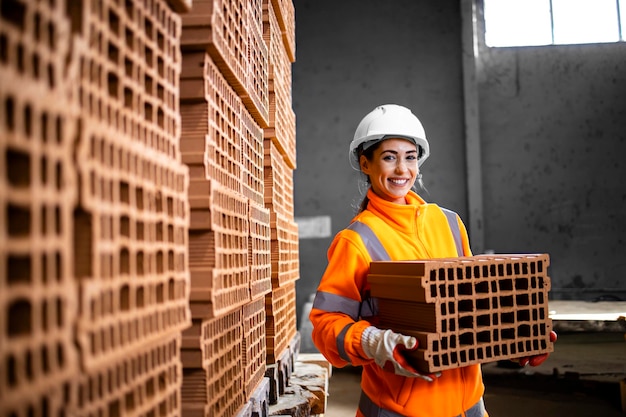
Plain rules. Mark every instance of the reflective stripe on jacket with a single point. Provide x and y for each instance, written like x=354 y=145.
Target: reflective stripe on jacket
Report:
x=342 y=308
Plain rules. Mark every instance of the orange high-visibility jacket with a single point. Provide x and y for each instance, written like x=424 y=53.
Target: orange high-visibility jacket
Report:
x=417 y=230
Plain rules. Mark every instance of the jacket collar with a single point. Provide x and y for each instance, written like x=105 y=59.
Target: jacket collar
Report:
x=397 y=215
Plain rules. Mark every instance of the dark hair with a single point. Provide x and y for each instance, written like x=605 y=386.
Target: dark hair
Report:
x=367 y=153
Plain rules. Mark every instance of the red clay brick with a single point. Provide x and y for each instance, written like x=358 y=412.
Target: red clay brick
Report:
x=466 y=310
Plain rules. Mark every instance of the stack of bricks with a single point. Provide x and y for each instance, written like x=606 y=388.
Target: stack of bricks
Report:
x=94 y=277
x=239 y=146
x=131 y=220
x=38 y=295
x=465 y=311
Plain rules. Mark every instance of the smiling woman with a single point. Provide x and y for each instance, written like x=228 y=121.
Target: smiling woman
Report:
x=394 y=224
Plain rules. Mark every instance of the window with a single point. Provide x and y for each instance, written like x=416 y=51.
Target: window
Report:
x=553 y=22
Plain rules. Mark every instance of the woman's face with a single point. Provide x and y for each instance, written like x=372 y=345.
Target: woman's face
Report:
x=392 y=170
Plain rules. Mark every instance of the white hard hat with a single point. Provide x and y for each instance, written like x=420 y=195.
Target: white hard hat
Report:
x=389 y=121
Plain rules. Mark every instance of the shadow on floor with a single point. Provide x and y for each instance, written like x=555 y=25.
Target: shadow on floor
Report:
x=580 y=379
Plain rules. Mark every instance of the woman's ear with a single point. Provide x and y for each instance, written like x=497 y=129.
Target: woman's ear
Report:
x=364 y=164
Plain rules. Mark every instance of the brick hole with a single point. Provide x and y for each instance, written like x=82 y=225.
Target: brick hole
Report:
x=507 y=318
x=170 y=233
x=466 y=306
x=481 y=287
x=51 y=36
x=18 y=168
x=113 y=53
x=45 y=360
x=466 y=322
x=159 y=231
x=522 y=300
x=160 y=293
x=148 y=112
x=124 y=261
x=37 y=27
x=160 y=267
x=114 y=22
x=19 y=318
x=149 y=57
x=466 y=339
x=60 y=318
x=128 y=98
x=114 y=409
x=523 y=315
x=35 y=63
x=483 y=337
x=57 y=221
x=500 y=270
x=125 y=226
x=465 y=289
x=125 y=298
x=18 y=221
x=480 y=354
x=140 y=297
x=113 y=84
x=509 y=269
x=476 y=273
x=14 y=12
x=171 y=264
x=524 y=330
x=507 y=334
x=506 y=284
x=493 y=271
x=124 y=192
x=20 y=58
x=483 y=320
x=522 y=283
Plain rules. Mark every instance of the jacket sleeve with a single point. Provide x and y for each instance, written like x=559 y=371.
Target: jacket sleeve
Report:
x=337 y=329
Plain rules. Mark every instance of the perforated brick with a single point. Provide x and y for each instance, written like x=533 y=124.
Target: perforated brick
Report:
x=253 y=174
x=466 y=310
x=212 y=117
x=286 y=17
x=38 y=295
x=254 y=344
x=280 y=320
x=145 y=381
x=285 y=254
x=282 y=120
x=260 y=251
x=218 y=256
x=228 y=31
x=278 y=181
x=213 y=383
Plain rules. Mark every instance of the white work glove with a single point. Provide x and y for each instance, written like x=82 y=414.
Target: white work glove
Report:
x=386 y=346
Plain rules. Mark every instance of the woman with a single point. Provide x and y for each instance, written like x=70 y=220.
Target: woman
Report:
x=394 y=223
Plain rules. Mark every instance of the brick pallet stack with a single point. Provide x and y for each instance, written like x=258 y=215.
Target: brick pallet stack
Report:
x=242 y=312
x=95 y=281
x=467 y=310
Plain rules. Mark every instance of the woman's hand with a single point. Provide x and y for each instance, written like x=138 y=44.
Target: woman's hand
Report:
x=386 y=348
x=537 y=359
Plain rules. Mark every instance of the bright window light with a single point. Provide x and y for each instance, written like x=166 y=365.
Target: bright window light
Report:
x=551 y=22
x=583 y=21
x=516 y=23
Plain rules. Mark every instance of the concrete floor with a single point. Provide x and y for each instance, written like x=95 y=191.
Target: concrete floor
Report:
x=580 y=379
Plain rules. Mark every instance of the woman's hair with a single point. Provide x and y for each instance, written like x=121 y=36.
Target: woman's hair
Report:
x=368 y=153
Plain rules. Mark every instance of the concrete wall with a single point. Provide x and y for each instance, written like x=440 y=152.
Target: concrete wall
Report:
x=352 y=56
x=552 y=128
x=553 y=131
